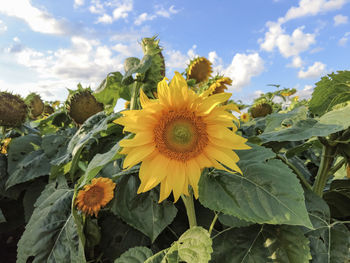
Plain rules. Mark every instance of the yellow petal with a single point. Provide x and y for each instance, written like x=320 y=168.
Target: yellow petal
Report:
x=144 y=99
x=165 y=190
x=137 y=154
x=140 y=138
x=208 y=104
x=193 y=173
x=224 y=158
x=177 y=178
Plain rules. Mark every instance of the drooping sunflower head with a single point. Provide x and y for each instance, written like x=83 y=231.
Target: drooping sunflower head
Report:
x=218 y=84
x=35 y=105
x=261 y=110
x=179 y=134
x=96 y=195
x=48 y=110
x=245 y=117
x=13 y=110
x=199 y=69
x=81 y=105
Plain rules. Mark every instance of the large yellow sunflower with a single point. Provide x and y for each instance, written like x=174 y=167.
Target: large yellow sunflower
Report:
x=179 y=134
x=199 y=69
x=95 y=195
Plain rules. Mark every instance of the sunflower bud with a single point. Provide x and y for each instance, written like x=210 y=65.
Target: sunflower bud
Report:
x=261 y=110
x=35 y=105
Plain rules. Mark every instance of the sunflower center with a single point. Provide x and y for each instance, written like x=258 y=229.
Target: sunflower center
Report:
x=94 y=196
x=180 y=135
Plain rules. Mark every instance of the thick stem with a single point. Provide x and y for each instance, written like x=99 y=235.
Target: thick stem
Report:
x=322 y=176
x=135 y=94
x=191 y=213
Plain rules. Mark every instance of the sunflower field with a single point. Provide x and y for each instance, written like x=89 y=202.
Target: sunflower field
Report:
x=183 y=174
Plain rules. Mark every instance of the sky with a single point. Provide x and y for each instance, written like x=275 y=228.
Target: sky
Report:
x=47 y=46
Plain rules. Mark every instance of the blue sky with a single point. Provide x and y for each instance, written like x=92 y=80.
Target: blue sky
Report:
x=47 y=46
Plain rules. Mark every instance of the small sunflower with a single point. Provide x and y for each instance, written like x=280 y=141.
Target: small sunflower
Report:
x=95 y=195
x=245 y=117
x=219 y=86
x=178 y=135
x=199 y=69
x=127 y=105
x=4 y=144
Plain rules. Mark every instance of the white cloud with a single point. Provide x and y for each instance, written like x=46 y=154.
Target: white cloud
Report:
x=297 y=62
x=122 y=10
x=3 y=27
x=216 y=61
x=37 y=19
x=143 y=17
x=305 y=93
x=288 y=45
x=242 y=68
x=311 y=8
x=313 y=71
x=191 y=53
x=174 y=59
x=166 y=13
x=161 y=12
x=343 y=41
x=105 y=19
x=124 y=49
x=78 y=3
x=340 y=19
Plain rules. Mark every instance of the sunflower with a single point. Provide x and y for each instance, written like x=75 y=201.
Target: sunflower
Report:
x=199 y=69
x=127 y=105
x=178 y=135
x=245 y=117
x=95 y=195
x=219 y=86
x=4 y=145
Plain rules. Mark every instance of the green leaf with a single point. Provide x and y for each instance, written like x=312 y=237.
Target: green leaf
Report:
x=233 y=221
x=193 y=246
x=51 y=234
x=97 y=163
x=2 y=217
x=110 y=90
x=338 y=198
x=25 y=163
x=278 y=121
x=243 y=245
x=141 y=211
x=287 y=244
x=141 y=67
x=255 y=154
x=135 y=255
x=268 y=192
x=329 y=243
x=338 y=117
x=329 y=91
x=302 y=130
x=117 y=237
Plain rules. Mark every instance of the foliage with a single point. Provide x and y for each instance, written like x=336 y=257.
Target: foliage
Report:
x=291 y=204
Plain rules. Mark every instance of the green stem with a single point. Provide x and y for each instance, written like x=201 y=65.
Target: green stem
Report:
x=213 y=223
x=298 y=173
x=337 y=167
x=322 y=176
x=135 y=94
x=191 y=213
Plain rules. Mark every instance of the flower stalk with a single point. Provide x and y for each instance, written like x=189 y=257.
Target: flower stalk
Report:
x=322 y=176
x=191 y=213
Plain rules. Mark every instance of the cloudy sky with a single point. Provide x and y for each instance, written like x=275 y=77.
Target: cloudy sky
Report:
x=48 y=45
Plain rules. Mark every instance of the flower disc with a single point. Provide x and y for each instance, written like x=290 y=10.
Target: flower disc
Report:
x=179 y=134
x=199 y=69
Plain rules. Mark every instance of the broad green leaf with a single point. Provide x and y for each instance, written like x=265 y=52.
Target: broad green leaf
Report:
x=135 y=255
x=240 y=245
x=329 y=91
x=117 y=237
x=110 y=90
x=232 y=221
x=255 y=154
x=30 y=196
x=268 y=192
x=51 y=234
x=25 y=162
x=278 y=121
x=338 y=117
x=338 y=198
x=2 y=217
x=302 y=130
x=193 y=246
x=329 y=242
x=97 y=163
x=141 y=211
x=55 y=145
x=287 y=244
